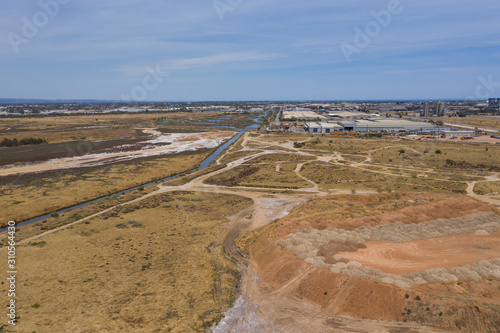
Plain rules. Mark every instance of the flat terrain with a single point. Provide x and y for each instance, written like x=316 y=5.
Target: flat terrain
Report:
x=160 y=145
x=155 y=265
x=457 y=139
x=487 y=121
x=237 y=243
x=31 y=195
x=115 y=126
x=90 y=157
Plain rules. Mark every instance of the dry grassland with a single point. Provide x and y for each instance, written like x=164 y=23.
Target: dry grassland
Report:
x=273 y=158
x=424 y=154
x=71 y=128
x=31 y=195
x=360 y=157
x=59 y=220
x=234 y=155
x=487 y=188
x=388 y=151
x=106 y=127
x=260 y=175
x=104 y=133
x=330 y=176
x=476 y=121
x=155 y=266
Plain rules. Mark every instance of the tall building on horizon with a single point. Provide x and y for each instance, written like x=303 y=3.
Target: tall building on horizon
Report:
x=494 y=102
x=439 y=109
x=426 y=109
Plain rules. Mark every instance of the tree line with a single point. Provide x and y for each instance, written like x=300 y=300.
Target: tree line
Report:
x=23 y=142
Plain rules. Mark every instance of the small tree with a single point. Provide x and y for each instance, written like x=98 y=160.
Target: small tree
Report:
x=438 y=151
x=401 y=151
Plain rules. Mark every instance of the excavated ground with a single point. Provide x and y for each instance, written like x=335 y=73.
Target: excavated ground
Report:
x=443 y=272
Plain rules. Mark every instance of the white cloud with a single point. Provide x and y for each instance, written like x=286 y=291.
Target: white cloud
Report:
x=170 y=65
x=221 y=58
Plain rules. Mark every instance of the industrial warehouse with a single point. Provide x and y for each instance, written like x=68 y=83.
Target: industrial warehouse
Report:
x=371 y=125
x=348 y=121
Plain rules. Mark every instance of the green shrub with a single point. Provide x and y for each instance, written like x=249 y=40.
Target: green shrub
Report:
x=135 y=224
x=38 y=244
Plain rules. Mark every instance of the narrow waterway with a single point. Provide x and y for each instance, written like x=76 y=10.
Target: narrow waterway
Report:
x=203 y=165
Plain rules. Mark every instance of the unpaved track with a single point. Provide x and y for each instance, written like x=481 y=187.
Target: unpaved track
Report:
x=271 y=310
x=266 y=311
x=315 y=187
x=470 y=190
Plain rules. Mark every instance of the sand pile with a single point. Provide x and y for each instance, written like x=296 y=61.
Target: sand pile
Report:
x=322 y=248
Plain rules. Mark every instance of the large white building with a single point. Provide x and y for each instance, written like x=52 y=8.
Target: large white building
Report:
x=389 y=125
x=347 y=114
x=323 y=128
x=369 y=125
x=303 y=115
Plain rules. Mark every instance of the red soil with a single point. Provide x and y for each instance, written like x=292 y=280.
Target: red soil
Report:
x=447 y=208
x=281 y=272
x=422 y=254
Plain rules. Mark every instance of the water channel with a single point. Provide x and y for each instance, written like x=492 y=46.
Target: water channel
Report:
x=206 y=162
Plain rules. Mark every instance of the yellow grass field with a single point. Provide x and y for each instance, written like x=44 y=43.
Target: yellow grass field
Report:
x=165 y=258
x=33 y=195
x=488 y=121
x=157 y=268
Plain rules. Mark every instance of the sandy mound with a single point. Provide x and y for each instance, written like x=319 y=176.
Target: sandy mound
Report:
x=323 y=248
x=424 y=254
x=447 y=208
x=463 y=301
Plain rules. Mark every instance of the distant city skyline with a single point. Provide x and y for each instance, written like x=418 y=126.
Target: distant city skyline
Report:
x=250 y=50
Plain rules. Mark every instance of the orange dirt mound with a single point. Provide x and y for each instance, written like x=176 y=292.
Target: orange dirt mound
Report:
x=332 y=248
x=339 y=294
x=423 y=254
x=287 y=275
x=447 y=208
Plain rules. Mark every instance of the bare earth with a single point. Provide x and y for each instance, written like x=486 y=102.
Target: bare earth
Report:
x=279 y=291
x=423 y=254
x=176 y=143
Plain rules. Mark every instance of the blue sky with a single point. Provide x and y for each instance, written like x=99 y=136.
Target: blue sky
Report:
x=248 y=49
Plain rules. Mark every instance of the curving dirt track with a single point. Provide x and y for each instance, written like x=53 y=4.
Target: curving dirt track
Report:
x=269 y=309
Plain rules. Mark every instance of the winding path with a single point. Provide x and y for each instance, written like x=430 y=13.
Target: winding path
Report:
x=258 y=216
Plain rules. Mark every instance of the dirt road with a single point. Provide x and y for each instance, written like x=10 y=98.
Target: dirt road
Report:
x=260 y=309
